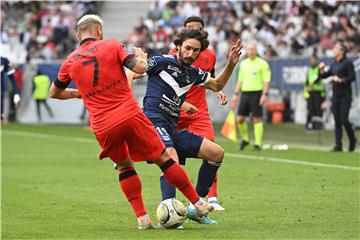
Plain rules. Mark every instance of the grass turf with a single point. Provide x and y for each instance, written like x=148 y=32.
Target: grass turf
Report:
x=53 y=187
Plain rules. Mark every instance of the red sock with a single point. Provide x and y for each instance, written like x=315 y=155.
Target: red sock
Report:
x=213 y=189
x=177 y=176
x=131 y=186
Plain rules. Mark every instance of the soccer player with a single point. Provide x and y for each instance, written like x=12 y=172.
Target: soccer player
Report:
x=194 y=114
x=254 y=82
x=122 y=130
x=7 y=69
x=169 y=79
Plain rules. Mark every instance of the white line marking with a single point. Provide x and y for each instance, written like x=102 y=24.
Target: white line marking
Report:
x=258 y=158
x=291 y=161
x=47 y=136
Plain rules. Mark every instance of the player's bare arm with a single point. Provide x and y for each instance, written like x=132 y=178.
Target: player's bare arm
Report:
x=216 y=84
x=222 y=97
x=188 y=108
x=63 y=94
x=138 y=63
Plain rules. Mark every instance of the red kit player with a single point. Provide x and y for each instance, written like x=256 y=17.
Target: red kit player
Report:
x=122 y=130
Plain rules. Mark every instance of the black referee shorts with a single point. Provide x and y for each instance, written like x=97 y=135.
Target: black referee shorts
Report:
x=249 y=103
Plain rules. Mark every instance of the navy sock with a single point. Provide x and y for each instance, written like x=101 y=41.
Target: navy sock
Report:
x=167 y=190
x=206 y=176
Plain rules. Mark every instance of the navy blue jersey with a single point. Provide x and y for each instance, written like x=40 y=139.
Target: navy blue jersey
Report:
x=6 y=69
x=168 y=83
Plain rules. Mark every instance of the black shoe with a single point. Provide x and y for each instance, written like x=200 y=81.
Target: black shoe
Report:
x=336 y=149
x=352 y=145
x=257 y=148
x=243 y=144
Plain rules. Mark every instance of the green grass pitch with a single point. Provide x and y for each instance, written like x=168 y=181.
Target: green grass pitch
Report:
x=53 y=187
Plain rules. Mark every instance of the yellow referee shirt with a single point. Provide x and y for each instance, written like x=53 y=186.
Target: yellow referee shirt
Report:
x=253 y=73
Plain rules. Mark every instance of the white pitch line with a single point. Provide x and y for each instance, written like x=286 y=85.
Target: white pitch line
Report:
x=258 y=158
x=47 y=136
x=291 y=161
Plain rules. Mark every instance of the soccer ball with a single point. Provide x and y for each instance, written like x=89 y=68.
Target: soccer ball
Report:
x=171 y=213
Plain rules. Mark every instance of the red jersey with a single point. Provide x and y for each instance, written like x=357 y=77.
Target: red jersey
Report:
x=97 y=69
x=197 y=95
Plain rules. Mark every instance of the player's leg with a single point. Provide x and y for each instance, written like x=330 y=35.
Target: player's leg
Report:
x=131 y=186
x=243 y=112
x=168 y=190
x=151 y=147
x=113 y=144
x=256 y=110
x=202 y=126
x=191 y=145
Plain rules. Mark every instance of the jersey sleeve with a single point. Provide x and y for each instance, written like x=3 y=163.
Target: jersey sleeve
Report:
x=202 y=77
x=123 y=55
x=8 y=67
x=63 y=80
x=155 y=65
x=266 y=72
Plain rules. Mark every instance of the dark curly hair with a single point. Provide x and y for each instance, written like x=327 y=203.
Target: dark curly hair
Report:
x=194 y=19
x=186 y=33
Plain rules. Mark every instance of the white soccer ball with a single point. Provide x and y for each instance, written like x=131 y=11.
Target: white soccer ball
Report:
x=171 y=213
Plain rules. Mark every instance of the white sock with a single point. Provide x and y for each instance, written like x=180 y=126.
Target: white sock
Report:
x=144 y=218
x=198 y=203
x=212 y=199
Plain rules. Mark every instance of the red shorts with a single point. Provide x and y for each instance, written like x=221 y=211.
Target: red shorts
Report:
x=135 y=138
x=197 y=123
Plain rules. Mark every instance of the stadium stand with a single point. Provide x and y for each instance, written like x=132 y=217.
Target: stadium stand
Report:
x=281 y=28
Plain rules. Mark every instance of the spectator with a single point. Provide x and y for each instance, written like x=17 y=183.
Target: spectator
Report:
x=41 y=86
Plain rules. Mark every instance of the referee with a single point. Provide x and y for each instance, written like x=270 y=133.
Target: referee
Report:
x=253 y=81
x=342 y=73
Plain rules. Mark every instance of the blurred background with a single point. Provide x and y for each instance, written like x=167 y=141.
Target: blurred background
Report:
x=38 y=35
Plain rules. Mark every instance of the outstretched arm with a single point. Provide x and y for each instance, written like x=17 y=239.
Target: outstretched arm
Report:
x=63 y=94
x=216 y=84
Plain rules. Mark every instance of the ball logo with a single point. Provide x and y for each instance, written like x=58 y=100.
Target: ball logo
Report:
x=152 y=62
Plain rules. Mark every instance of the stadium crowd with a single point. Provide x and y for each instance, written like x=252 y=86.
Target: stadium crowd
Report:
x=281 y=28
x=45 y=28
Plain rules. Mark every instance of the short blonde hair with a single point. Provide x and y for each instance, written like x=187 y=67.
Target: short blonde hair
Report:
x=88 y=21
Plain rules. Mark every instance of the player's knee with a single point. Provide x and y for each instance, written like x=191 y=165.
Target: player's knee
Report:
x=240 y=119
x=218 y=155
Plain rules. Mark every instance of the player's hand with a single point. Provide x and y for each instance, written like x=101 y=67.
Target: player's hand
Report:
x=222 y=98
x=188 y=108
x=262 y=100
x=337 y=79
x=235 y=52
x=322 y=66
x=17 y=100
x=234 y=101
x=138 y=52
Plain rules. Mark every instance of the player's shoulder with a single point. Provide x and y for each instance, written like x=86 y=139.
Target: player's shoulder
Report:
x=173 y=51
x=261 y=60
x=4 y=60
x=164 y=58
x=209 y=53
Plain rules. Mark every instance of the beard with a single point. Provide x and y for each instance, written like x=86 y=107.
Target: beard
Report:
x=185 y=61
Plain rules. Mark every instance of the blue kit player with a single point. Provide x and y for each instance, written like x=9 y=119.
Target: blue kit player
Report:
x=169 y=79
